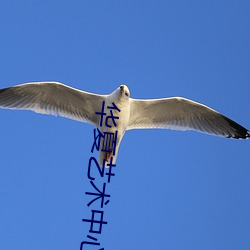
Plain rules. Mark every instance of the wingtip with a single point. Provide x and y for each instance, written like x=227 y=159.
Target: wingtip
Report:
x=244 y=135
x=248 y=134
x=239 y=131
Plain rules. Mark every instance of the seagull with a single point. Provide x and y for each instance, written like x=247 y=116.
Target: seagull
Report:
x=176 y=113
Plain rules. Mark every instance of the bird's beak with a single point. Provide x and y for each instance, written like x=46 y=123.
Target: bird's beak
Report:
x=122 y=88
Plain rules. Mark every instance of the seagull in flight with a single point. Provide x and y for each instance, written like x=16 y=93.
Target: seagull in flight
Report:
x=175 y=113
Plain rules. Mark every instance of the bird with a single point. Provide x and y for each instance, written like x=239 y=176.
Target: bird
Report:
x=175 y=113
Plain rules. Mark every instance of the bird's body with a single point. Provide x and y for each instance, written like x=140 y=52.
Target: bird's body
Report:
x=167 y=113
x=121 y=124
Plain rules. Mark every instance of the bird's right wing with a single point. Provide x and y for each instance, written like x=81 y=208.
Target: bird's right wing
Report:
x=53 y=98
x=182 y=114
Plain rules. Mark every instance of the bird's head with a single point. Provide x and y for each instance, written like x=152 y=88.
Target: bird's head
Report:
x=124 y=91
x=121 y=94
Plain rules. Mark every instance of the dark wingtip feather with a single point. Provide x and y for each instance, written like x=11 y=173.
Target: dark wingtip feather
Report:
x=239 y=131
x=248 y=134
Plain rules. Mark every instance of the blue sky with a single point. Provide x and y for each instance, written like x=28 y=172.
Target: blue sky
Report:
x=172 y=190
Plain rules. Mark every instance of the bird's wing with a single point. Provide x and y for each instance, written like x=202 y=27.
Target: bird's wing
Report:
x=53 y=98
x=182 y=114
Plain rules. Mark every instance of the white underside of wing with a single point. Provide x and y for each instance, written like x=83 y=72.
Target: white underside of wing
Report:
x=53 y=98
x=182 y=114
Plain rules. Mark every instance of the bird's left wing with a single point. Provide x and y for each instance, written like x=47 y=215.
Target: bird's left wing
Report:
x=182 y=114
x=53 y=98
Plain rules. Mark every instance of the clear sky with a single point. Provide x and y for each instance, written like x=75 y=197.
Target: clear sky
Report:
x=172 y=190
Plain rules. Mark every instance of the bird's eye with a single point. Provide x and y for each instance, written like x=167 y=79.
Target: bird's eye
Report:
x=126 y=93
